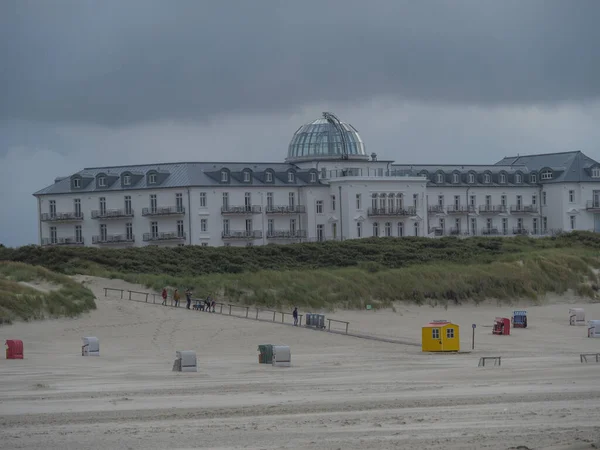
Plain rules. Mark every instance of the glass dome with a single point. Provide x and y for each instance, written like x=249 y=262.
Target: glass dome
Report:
x=320 y=139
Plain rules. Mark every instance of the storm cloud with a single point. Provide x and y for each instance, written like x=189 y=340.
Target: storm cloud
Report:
x=116 y=63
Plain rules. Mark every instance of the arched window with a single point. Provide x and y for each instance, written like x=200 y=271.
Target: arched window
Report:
x=388 y=229
x=471 y=178
x=503 y=178
x=399 y=202
x=224 y=176
x=455 y=178
x=400 y=229
x=416 y=228
x=546 y=174
x=487 y=178
x=518 y=178
x=376 y=229
x=440 y=177
x=359 y=229
x=382 y=202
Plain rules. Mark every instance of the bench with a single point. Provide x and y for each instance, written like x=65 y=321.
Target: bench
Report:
x=584 y=356
x=497 y=360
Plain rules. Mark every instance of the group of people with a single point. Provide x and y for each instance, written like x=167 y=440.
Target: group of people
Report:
x=200 y=305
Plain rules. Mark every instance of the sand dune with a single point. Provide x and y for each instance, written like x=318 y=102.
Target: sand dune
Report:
x=341 y=392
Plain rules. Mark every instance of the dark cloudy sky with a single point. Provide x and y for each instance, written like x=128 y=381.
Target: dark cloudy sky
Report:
x=104 y=82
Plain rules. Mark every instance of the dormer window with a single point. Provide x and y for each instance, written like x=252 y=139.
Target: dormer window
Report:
x=503 y=178
x=313 y=177
x=596 y=172
x=455 y=178
x=440 y=178
x=269 y=177
x=246 y=177
x=152 y=178
x=471 y=178
x=290 y=177
x=487 y=178
x=126 y=180
x=533 y=178
x=224 y=176
x=518 y=178
x=76 y=183
x=546 y=175
x=102 y=181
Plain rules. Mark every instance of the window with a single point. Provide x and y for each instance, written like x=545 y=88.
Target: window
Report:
x=269 y=200
x=153 y=205
x=323 y=172
x=53 y=238
x=546 y=175
x=374 y=201
x=129 y=231
x=489 y=224
x=488 y=201
x=518 y=178
x=544 y=198
x=333 y=202
x=455 y=178
x=154 y=229
x=77 y=207
x=128 y=209
x=270 y=226
x=204 y=244
x=473 y=226
x=435 y=333
x=269 y=177
x=571 y=196
x=441 y=201
x=248 y=201
x=334 y=230
x=442 y=224
x=225 y=227
x=376 y=229
x=76 y=183
x=415 y=200
x=534 y=199
x=126 y=180
x=358 y=229
x=471 y=178
x=152 y=178
x=225 y=201
x=596 y=172
x=224 y=176
x=503 y=201
x=533 y=178
x=202 y=199
x=293 y=226
x=519 y=202
x=390 y=202
x=457 y=226
x=487 y=178
x=319 y=206
x=249 y=226
x=472 y=200
x=505 y=226
x=457 y=202
x=203 y=225
x=102 y=181
x=440 y=177
x=292 y=200
x=179 y=202
x=399 y=202
x=320 y=232
x=572 y=218
x=544 y=224
x=400 y=229
x=450 y=333
x=388 y=229
x=290 y=177
x=416 y=228
x=313 y=177
x=358 y=201
x=102 y=206
x=246 y=176
x=535 y=225
x=52 y=208
x=103 y=236
x=503 y=178
x=78 y=234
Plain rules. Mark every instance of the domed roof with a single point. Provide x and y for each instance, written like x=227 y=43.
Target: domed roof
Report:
x=320 y=139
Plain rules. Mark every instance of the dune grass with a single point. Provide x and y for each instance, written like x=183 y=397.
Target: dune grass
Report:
x=20 y=302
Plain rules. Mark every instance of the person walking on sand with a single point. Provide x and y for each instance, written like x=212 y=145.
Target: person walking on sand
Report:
x=295 y=314
x=164 y=296
x=188 y=297
x=176 y=297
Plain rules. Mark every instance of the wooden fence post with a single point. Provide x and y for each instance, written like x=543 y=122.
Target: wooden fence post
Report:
x=257 y=313
x=121 y=294
x=247 y=309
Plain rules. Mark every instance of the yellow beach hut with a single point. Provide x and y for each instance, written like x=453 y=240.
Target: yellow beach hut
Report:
x=441 y=336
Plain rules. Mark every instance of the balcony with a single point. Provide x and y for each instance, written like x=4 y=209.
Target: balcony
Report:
x=460 y=209
x=71 y=240
x=62 y=217
x=112 y=214
x=520 y=230
x=492 y=209
x=436 y=231
x=523 y=209
x=593 y=205
x=490 y=231
x=437 y=209
x=113 y=239
x=391 y=212
x=454 y=231
x=297 y=209
x=164 y=211
x=286 y=234
x=241 y=235
x=241 y=210
x=164 y=236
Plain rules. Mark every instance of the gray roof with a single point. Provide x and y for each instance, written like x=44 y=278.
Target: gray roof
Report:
x=447 y=170
x=177 y=175
x=566 y=166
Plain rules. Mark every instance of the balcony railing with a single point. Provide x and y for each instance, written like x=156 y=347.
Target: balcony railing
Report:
x=164 y=211
x=112 y=214
x=592 y=205
x=435 y=208
x=436 y=231
x=387 y=212
x=72 y=240
x=523 y=208
x=113 y=239
x=164 y=236
x=492 y=231
x=460 y=209
x=286 y=209
x=62 y=217
x=492 y=209
x=244 y=209
x=286 y=234
x=454 y=231
x=520 y=230
x=250 y=235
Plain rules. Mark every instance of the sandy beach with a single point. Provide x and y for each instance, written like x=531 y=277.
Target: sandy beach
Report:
x=340 y=393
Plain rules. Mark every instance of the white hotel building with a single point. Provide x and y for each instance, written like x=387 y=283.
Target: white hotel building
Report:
x=328 y=188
